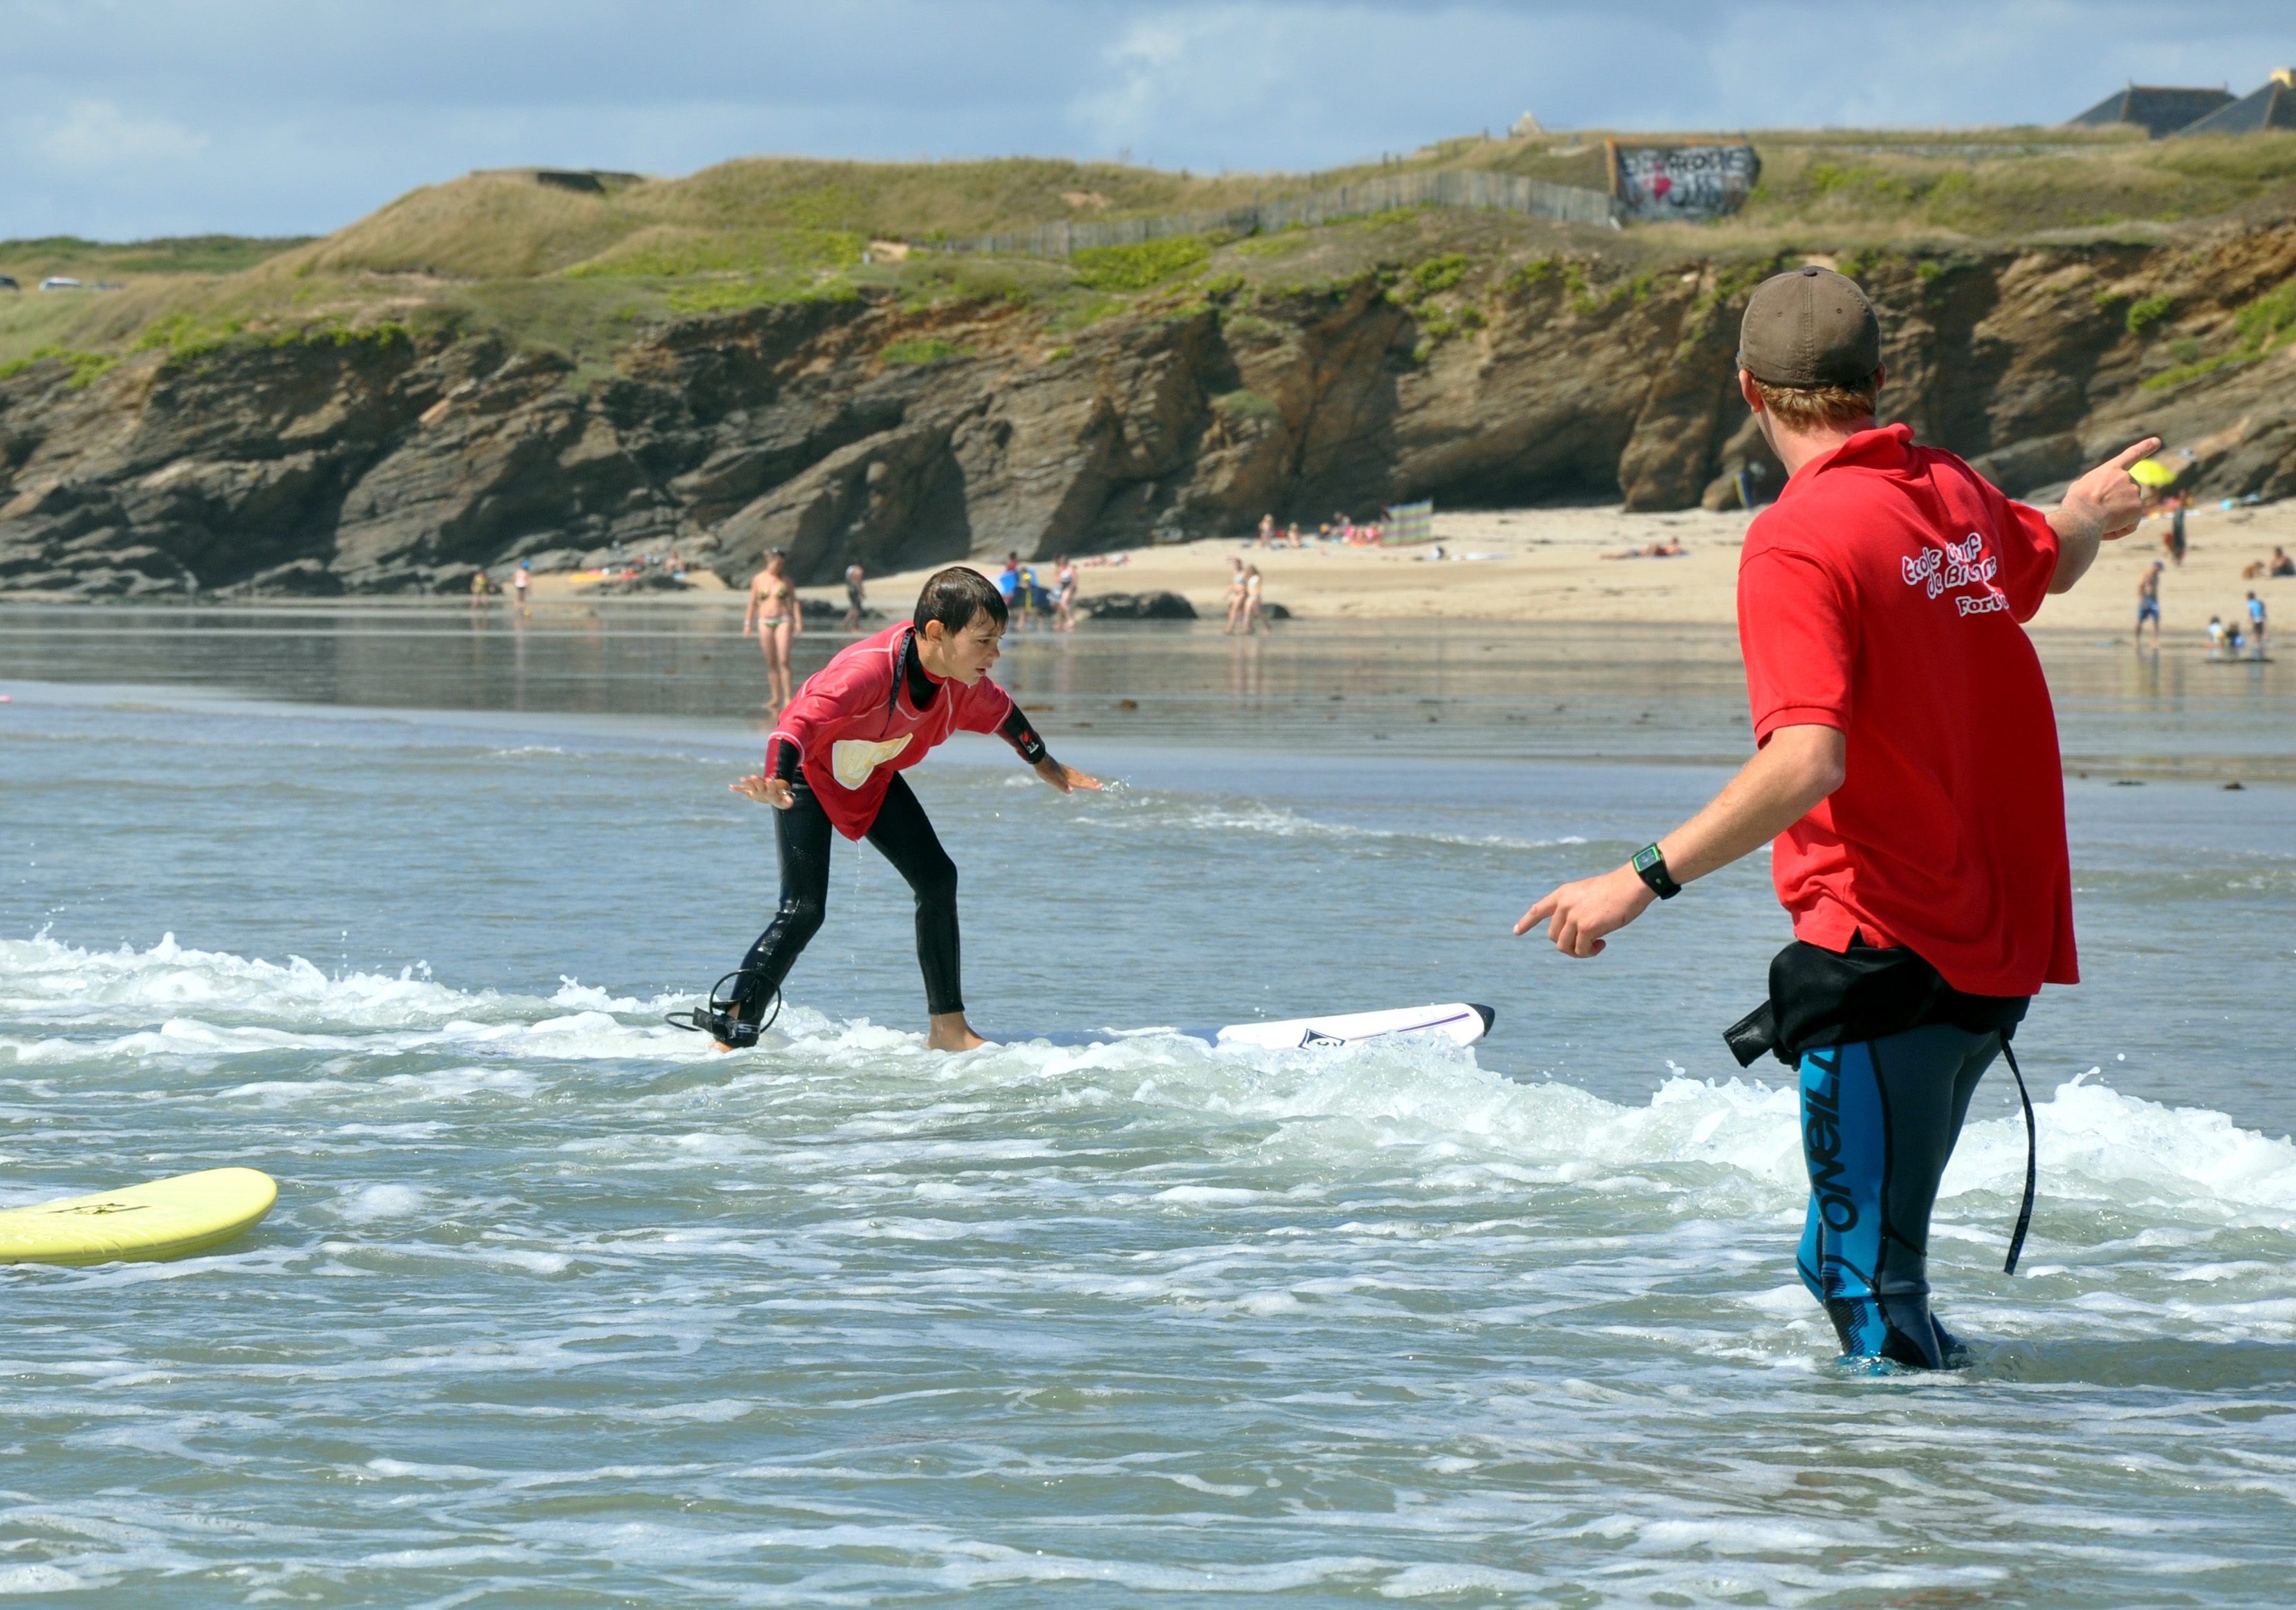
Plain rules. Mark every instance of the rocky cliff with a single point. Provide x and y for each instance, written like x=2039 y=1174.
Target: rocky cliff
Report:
x=874 y=428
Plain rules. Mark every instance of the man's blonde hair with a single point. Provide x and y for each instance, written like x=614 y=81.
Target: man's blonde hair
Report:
x=1814 y=407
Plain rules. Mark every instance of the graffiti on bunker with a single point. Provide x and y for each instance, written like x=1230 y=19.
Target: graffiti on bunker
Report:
x=1682 y=180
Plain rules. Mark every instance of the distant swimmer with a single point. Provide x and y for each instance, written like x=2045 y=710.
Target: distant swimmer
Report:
x=777 y=616
x=1901 y=716
x=834 y=763
x=856 y=595
x=2148 y=604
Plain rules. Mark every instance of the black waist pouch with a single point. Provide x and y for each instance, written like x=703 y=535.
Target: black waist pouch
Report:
x=1821 y=998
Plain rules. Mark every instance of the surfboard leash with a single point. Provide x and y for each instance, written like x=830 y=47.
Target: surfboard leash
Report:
x=720 y=1019
x=2032 y=1163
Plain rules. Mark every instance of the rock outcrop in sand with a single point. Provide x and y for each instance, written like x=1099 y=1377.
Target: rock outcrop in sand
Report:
x=398 y=463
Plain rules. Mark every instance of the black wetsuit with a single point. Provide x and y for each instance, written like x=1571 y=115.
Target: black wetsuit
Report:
x=902 y=832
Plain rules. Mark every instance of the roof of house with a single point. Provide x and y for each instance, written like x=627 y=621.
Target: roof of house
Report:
x=2272 y=107
x=2158 y=110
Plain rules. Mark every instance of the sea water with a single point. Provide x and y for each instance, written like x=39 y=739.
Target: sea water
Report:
x=558 y=1307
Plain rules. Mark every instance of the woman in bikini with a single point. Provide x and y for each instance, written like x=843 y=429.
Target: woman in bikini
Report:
x=778 y=616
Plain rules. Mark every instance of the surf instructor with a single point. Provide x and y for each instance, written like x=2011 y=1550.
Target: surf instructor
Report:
x=1907 y=780
x=834 y=761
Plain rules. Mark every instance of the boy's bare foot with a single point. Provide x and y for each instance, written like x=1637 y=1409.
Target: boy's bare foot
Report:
x=951 y=1032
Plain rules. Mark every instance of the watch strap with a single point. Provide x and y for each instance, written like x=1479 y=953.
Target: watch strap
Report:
x=1649 y=866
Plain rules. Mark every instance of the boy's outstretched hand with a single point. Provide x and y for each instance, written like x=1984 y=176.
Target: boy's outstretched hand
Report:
x=1068 y=779
x=776 y=792
x=765 y=791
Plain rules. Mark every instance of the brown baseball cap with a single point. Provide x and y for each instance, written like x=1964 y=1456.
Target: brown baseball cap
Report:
x=1809 y=326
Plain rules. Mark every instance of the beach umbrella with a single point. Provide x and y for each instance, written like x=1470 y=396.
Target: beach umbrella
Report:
x=2151 y=472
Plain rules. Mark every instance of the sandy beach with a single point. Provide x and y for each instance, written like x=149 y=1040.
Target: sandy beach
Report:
x=1550 y=565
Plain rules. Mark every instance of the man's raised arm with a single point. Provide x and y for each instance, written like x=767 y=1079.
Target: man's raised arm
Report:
x=2102 y=505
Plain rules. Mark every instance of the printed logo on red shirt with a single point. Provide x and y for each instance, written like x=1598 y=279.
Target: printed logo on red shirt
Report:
x=1962 y=563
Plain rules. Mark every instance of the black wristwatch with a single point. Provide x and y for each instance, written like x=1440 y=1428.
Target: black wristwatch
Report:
x=1649 y=866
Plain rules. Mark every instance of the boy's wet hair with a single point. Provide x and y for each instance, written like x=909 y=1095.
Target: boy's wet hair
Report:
x=954 y=596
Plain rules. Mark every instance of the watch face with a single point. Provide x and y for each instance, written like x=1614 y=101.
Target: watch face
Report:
x=1647 y=857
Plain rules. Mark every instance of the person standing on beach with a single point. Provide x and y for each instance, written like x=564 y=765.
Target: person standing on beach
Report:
x=856 y=595
x=520 y=579
x=777 y=616
x=2256 y=625
x=834 y=763
x=1907 y=771
x=1017 y=585
x=1234 y=596
x=1255 y=610
x=1065 y=596
x=2148 y=604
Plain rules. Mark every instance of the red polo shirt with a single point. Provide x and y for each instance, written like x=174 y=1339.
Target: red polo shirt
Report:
x=1882 y=595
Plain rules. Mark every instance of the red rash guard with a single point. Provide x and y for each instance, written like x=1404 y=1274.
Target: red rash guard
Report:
x=855 y=725
x=1882 y=595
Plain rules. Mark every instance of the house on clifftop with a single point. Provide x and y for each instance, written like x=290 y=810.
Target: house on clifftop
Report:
x=2272 y=107
x=2158 y=110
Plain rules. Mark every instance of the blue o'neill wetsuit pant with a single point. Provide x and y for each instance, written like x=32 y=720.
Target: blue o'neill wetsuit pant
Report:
x=1879 y=1120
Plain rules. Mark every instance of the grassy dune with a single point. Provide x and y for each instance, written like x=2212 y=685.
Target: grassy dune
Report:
x=580 y=272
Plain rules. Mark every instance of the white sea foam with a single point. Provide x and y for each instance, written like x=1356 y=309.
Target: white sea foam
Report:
x=1141 y=810
x=1432 y=1102
x=45 y=980
x=375 y=1202
x=216 y=1004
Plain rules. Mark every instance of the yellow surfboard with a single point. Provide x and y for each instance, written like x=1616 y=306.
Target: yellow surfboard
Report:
x=171 y=1218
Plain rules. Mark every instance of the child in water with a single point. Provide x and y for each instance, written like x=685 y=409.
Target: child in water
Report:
x=834 y=761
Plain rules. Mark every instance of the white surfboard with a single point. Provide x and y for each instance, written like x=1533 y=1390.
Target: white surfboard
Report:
x=1458 y=1022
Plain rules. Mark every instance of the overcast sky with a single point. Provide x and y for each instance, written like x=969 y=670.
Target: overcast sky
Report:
x=127 y=119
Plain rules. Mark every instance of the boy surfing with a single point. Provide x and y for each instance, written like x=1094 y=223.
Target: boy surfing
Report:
x=834 y=761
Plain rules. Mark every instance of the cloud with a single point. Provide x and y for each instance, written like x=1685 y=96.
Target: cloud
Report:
x=93 y=136
x=128 y=117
